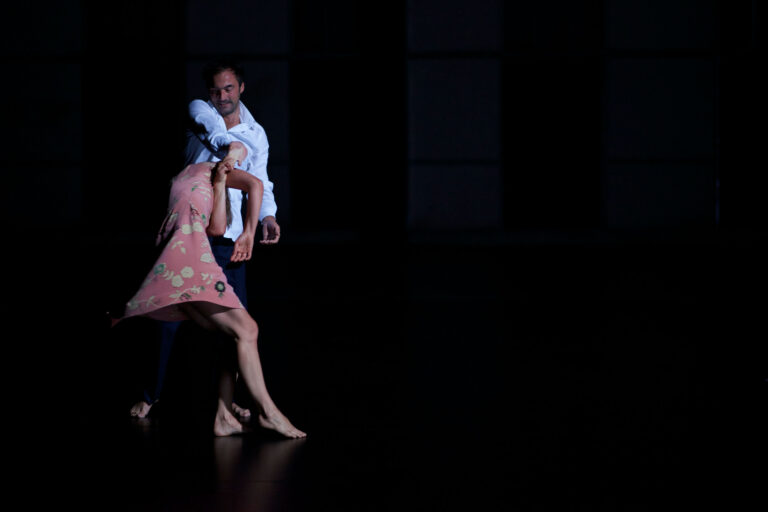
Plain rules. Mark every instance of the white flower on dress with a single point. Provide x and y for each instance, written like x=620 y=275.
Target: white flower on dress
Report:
x=196 y=226
x=207 y=257
x=186 y=229
x=187 y=272
x=177 y=281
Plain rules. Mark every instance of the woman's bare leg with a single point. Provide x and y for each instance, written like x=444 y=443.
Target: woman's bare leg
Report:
x=242 y=327
x=227 y=381
x=224 y=423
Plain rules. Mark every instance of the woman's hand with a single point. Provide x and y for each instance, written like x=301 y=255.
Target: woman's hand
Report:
x=220 y=171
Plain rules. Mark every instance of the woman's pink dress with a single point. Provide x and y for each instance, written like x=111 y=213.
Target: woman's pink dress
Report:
x=186 y=270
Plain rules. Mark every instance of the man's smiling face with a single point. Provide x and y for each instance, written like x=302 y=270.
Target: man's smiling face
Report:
x=225 y=92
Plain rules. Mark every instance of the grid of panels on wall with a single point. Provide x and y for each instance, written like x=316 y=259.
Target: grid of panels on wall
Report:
x=551 y=105
x=43 y=121
x=659 y=104
x=454 y=70
x=504 y=114
x=491 y=115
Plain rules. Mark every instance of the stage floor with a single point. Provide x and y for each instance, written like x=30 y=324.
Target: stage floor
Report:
x=435 y=375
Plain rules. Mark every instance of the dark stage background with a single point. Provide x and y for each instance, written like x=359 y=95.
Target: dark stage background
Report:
x=527 y=236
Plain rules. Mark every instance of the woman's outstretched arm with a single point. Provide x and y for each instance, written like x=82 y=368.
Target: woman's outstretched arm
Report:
x=255 y=189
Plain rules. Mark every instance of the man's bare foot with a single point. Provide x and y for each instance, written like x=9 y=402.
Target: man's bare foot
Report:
x=279 y=423
x=226 y=424
x=140 y=409
x=241 y=412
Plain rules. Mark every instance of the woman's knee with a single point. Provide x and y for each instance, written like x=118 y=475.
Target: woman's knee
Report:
x=249 y=332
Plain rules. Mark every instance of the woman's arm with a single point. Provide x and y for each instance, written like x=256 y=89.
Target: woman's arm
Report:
x=255 y=190
x=219 y=213
x=252 y=186
x=217 y=224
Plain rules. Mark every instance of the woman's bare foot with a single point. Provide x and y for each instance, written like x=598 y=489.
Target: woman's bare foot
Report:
x=140 y=409
x=225 y=423
x=241 y=412
x=279 y=423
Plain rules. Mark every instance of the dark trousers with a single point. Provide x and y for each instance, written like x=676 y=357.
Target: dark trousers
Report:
x=222 y=249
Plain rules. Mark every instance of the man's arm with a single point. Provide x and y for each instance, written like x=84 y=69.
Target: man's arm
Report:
x=259 y=158
x=212 y=133
x=208 y=127
x=258 y=168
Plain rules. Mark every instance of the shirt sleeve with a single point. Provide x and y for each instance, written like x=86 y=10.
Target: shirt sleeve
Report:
x=213 y=134
x=211 y=131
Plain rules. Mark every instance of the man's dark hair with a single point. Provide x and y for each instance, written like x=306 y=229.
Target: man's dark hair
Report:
x=225 y=64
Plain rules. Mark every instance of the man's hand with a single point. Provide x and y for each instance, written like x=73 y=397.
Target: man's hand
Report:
x=271 y=230
x=243 y=247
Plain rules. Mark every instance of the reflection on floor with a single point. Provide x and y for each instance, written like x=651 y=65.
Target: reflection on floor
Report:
x=515 y=377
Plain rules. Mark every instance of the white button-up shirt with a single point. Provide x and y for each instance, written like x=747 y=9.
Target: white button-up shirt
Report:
x=210 y=146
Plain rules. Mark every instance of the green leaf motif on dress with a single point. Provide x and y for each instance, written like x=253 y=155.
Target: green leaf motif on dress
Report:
x=180 y=245
x=134 y=304
x=187 y=294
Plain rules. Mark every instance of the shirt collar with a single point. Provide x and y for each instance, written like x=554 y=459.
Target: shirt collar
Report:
x=247 y=122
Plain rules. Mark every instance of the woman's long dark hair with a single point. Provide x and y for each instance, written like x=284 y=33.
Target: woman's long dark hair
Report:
x=229 y=209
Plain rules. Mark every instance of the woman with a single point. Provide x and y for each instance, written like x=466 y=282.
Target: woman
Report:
x=187 y=283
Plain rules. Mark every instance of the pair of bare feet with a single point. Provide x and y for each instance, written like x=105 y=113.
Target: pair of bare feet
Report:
x=142 y=408
x=226 y=424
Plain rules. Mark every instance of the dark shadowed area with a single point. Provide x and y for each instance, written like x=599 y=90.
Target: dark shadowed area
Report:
x=522 y=264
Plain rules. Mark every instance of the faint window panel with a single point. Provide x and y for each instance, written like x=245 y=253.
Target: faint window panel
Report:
x=59 y=186
x=59 y=31
x=640 y=195
x=659 y=108
x=454 y=109
x=330 y=26
x=440 y=25
x=555 y=24
x=454 y=197
x=57 y=117
x=238 y=27
x=661 y=24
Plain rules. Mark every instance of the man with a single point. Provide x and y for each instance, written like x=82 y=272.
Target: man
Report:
x=215 y=125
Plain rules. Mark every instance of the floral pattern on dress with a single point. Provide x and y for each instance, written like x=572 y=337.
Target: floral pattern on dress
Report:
x=186 y=269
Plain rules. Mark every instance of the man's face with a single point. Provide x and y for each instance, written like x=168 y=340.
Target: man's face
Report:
x=225 y=93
